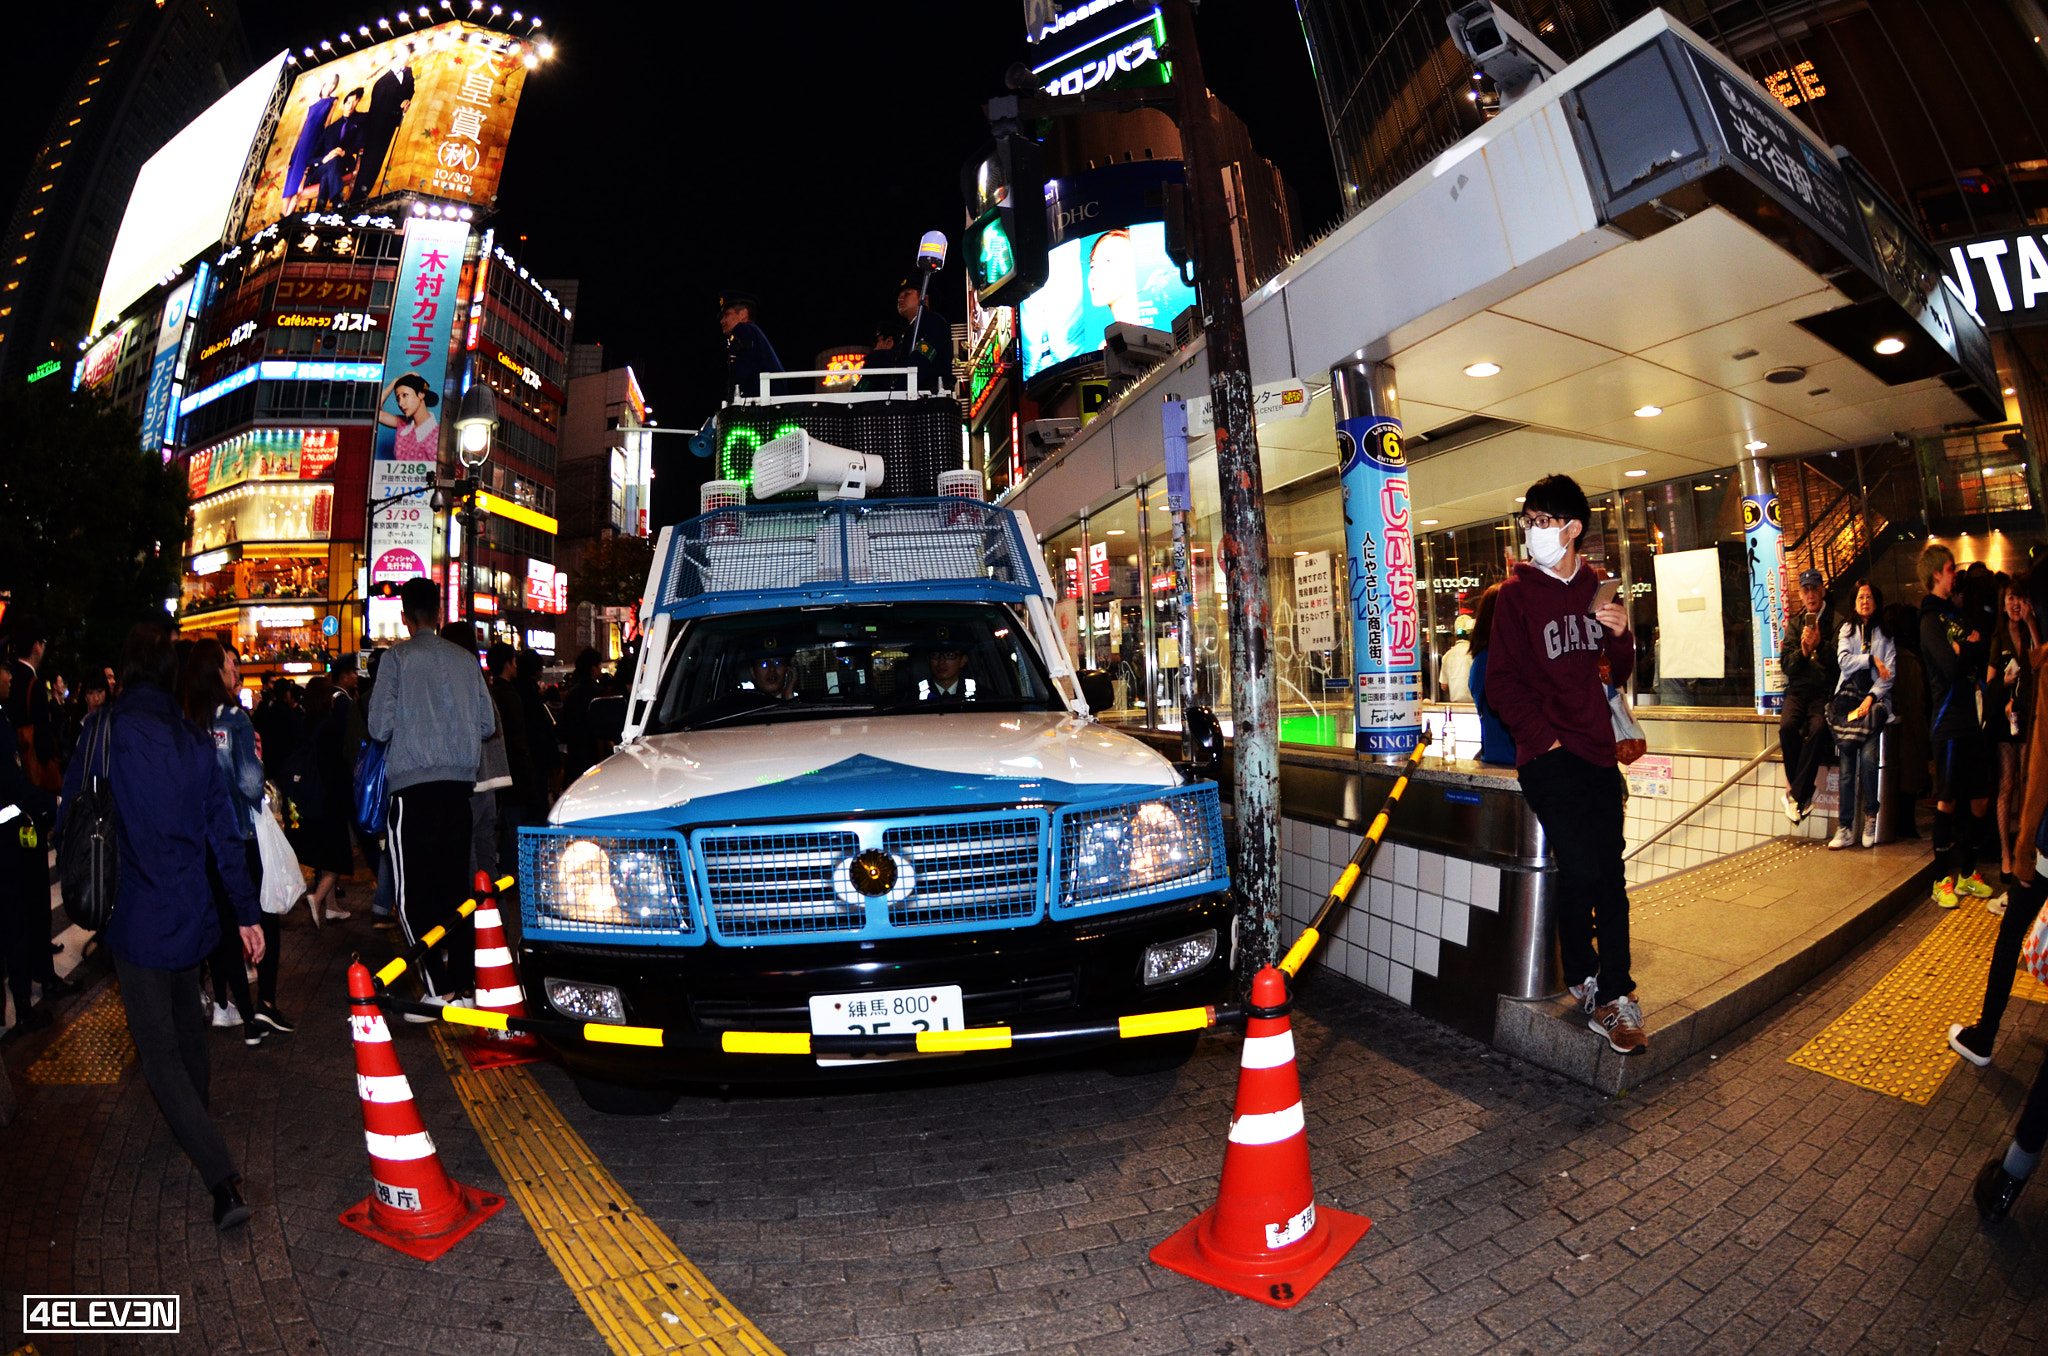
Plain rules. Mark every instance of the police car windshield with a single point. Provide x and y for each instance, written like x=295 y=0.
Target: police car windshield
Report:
x=797 y=664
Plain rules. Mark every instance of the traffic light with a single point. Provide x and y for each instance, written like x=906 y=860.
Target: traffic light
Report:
x=1006 y=238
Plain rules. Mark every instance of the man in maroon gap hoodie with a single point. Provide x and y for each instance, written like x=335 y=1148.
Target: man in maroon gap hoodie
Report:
x=1543 y=680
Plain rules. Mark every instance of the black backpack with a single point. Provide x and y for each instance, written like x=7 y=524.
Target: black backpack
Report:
x=88 y=846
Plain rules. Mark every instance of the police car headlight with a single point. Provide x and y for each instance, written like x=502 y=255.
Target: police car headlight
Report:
x=584 y=892
x=1150 y=844
x=1182 y=956
x=621 y=886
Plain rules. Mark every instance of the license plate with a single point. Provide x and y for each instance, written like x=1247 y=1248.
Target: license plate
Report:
x=885 y=1012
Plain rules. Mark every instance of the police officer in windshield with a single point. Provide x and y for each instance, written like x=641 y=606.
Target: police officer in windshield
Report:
x=748 y=353
x=774 y=671
x=947 y=663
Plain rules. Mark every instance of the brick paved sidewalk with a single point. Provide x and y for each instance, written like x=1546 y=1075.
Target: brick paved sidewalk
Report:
x=97 y=1199
x=1737 y=1204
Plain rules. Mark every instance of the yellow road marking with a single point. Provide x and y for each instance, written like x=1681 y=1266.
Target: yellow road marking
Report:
x=95 y=1048
x=642 y=1294
x=1894 y=1039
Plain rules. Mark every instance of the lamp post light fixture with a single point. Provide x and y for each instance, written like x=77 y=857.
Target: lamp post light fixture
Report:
x=475 y=424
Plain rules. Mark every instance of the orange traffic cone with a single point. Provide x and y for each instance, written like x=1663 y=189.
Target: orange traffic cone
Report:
x=497 y=990
x=413 y=1207
x=1264 y=1238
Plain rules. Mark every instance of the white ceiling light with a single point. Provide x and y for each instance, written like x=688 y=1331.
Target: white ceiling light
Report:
x=1889 y=345
x=1431 y=522
x=1649 y=411
x=1483 y=370
x=1633 y=474
x=1755 y=445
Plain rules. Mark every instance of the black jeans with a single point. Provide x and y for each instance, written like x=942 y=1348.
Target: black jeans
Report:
x=1580 y=807
x=430 y=840
x=169 y=1030
x=1804 y=741
x=2022 y=905
x=230 y=975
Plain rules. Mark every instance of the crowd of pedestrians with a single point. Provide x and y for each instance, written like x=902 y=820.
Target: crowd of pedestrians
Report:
x=236 y=800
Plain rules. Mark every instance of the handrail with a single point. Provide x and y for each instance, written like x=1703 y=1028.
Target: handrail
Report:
x=1702 y=803
x=1842 y=492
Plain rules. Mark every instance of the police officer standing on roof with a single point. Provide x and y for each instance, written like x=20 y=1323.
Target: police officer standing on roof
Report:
x=927 y=342
x=747 y=351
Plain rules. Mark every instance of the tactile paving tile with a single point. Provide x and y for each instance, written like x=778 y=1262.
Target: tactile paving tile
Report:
x=1724 y=880
x=638 y=1289
x=95 y=1048
x=1894 y=1039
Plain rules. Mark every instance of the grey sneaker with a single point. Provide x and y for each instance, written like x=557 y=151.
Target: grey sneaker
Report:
x=1870 y=832
x=1844 y=837
x=1583 y=993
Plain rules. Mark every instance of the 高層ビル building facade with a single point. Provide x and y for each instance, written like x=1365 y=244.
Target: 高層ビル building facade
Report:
x=152 y=65
x=607 y=483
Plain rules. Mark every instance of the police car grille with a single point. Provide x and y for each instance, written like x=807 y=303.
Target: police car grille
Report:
x=777 y=884
x=968 y=872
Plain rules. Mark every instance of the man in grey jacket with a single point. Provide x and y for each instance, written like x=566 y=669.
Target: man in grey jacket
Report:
x=431 y=707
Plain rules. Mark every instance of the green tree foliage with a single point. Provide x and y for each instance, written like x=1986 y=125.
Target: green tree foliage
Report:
x=91 y=526
x=613 y=572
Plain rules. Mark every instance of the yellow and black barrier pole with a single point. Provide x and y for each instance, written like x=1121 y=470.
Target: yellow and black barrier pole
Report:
x=1361 y=862
x=431 y=938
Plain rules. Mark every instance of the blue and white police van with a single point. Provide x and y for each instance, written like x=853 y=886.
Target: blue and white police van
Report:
x=859 y=791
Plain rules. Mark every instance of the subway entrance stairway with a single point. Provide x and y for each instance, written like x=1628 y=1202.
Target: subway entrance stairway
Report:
x=1750 y=1198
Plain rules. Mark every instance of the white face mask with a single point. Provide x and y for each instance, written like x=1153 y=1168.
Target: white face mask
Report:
x=1546 y=545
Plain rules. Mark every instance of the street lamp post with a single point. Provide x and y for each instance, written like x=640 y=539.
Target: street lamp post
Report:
x=474 y=426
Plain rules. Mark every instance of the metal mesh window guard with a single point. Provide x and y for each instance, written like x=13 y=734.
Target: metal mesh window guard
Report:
x=968 y=871
x=766 y=884
x=842 y=544
x=1139 y=851
x=583 y=884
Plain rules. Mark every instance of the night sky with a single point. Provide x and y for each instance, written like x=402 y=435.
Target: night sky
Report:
x=670 y=153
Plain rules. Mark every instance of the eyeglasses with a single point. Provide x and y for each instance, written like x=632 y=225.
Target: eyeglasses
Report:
x=1525 y=521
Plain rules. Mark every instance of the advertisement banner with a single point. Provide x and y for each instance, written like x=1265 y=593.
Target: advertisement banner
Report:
x=263 y=454
x=101 y=359
x=429 y=112
x=1315 y=604
x=1386 y=630
x=409 y=429
x=1762 y=530
x=1095 y=281
x=158 y=409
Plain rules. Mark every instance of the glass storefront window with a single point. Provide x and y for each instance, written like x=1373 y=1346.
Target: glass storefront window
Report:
x=1116 y=616
x=264 y=513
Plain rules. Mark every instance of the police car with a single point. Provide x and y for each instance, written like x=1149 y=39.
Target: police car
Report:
x=859 y=791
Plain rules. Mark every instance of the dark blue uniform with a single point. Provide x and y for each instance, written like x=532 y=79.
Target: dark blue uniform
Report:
x=747 y=355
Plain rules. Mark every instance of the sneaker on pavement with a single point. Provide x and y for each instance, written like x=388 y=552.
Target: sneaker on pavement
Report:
x=1995 y=907
x=253 y=1033
x=1945 y=892
x=1967 y=1040
x=272 y=1018
x=1621 y=1022
x=227 y=1014
x=1844 y=837
x=1870 y=833
x=1582 y=994
x=1975 y=885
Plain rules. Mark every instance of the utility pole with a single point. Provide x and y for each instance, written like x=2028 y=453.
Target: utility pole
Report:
x=1254 y=707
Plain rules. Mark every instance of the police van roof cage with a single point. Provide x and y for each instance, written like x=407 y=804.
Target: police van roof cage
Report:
x=748 y=557
x=852 y=396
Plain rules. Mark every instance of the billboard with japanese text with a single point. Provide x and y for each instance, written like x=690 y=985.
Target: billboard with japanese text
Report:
x=429 y=112
x=408 y=409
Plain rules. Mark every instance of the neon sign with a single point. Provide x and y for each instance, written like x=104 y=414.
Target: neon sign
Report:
x=1798 y=85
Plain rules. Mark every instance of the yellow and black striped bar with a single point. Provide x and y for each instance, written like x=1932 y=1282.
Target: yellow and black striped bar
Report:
x=1361 y=862
x=978 y=1038
x=432 y=938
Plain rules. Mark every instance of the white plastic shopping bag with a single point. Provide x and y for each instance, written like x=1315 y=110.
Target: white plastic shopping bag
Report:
x=282 y=882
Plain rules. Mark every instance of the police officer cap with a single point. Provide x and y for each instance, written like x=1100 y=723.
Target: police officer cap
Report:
x=911 y=284
x=774 y=647
x=732 y=300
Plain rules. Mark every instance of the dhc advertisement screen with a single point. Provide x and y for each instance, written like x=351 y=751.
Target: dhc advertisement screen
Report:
x=1093 y=282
